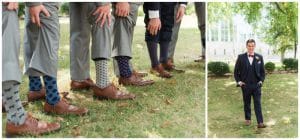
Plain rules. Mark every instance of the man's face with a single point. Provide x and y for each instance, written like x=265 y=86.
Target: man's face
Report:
x=251 y=47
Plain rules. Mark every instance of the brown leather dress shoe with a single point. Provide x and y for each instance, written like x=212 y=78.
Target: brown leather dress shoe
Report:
x=32 y=126
x=160 y=71
x=261 y=125
x=169 y=66
x=247 y=122
x=86 y=84
x=36 y=95
x=111 y=92
x=139 y=74
x=135 y=81
x=63 y=107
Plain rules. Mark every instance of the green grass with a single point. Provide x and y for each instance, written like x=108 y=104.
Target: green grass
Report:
x=169 y=108
x=279 y=105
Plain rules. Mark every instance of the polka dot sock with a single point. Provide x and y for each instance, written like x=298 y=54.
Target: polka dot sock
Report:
x=35 y=83
x=102 y=79
x=12 y=103
x=124 y=68
x=52 y=95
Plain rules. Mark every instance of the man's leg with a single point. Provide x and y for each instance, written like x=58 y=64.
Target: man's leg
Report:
x=101 y=50
x=152 y=43
x=44 y=60
x=80 y=31
x=174 y=37
x=18 y=121
x=122 y=47
x=247 y=102
x=200 y=12
x=257 y=105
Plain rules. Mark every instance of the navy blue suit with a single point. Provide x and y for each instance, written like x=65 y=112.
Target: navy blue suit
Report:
x=251 y=75
x=166 y=11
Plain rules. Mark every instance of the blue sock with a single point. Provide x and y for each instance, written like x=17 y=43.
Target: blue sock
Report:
x=52 y=96
x=124 y=68
x=35 y=83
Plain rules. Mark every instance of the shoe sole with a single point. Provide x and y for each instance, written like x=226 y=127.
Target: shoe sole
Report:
x=30 y=134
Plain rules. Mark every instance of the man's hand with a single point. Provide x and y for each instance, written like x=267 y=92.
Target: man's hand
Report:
x=35 y=11
x=180 y=13
x=241 y=83
x=12 y=6
x=122 y=9
x=154 y=26
x=103 y=13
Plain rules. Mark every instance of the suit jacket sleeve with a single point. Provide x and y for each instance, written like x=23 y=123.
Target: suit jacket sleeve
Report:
x=237 y=75
x=262 y=70
x=153 y=6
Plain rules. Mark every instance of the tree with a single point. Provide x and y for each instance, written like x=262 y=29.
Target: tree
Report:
x=276 y=22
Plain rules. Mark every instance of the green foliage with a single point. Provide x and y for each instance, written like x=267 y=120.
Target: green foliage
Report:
x=140 y=11
x=21 y=11
x=218 y=68
x=270 y=66
x=219 y=11
x=290 y=64
x=190 y=8
x=64 y=8
x=276 y=22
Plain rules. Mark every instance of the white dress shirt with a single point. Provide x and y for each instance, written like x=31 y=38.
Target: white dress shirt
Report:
x=250 y=58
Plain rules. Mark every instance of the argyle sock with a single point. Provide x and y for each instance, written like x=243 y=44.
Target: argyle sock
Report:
x=124 y=68
x=35 y=83
x=13 y=105
x=52 y=95
x=102 y=79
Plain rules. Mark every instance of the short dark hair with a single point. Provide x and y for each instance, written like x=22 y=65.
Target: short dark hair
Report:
x=250 y=41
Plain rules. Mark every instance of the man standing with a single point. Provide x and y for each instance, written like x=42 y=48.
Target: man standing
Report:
x=249 y=74
x=125 y=16
x=41 y=43
x=18 y=120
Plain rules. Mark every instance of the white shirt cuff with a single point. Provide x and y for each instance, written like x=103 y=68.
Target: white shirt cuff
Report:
x=153 y=13
x=183 y=5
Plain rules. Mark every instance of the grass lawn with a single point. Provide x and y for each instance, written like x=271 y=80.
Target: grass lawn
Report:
x=279 y=106
x=169 y=108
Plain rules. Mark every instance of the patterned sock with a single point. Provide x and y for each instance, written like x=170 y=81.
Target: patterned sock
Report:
x=124 y=68
x=52 y=96
x=13 y=105
x=102 y=79
x=35 y=83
